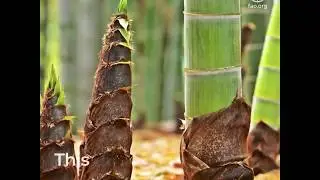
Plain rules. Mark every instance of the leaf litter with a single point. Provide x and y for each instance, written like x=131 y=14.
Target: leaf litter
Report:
x=156 y=157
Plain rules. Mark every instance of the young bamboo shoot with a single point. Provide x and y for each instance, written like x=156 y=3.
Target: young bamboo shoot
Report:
x=55 y=133
x=108 y=135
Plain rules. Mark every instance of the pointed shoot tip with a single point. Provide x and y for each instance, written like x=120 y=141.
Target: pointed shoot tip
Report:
x=122 y=7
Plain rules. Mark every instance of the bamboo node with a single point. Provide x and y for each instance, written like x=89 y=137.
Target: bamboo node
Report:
x=207 y=14
x=268 y=100
x=272 y=38
x=206 y=72
x=212 y=16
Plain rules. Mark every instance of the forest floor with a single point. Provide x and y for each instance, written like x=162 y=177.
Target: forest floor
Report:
x=156 y=157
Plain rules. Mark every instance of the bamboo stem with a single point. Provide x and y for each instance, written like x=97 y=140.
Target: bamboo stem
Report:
x=87 y=40
x=171 y=59
x=266 y=102
x=214 y=144
x=154 y=60
x=44 y=8
x=212 y=48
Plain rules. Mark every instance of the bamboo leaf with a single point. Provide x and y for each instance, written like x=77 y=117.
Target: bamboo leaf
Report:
x=60 y=100
x=70 y=118
x=122 y=7
x=126 y=35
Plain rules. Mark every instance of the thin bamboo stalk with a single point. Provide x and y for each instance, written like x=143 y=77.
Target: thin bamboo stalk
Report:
x=171 y=58
x=157 y=53
x=140 y=62
x=153 y=49
x=68 y=51
x=266 y=102
x=87 y=41
x=260 y=18
x=179 y=96
x=44 y=8
x=43 y=29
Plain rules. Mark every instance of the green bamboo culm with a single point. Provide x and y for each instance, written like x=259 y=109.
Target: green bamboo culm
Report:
x=172 y=57
x=212 y=55
x=250 y=13
x=218 y=118
x=266 y=100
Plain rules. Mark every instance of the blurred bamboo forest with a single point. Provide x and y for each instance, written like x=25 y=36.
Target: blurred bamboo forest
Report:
x=70 y=35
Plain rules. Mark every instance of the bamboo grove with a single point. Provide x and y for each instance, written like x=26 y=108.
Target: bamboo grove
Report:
x=231 y=59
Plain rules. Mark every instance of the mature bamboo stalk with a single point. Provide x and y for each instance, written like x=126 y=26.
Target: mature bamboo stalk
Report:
x=55 y=134
x=260 y=18
x=153 y=49
x=266 y=102
x=214 y=143
x=108 y=135
x=212 y=55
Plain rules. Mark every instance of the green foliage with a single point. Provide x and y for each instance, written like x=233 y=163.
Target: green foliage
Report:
x=70 y=118
x=126 y=35
x=122 y=7
x=52 y=82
